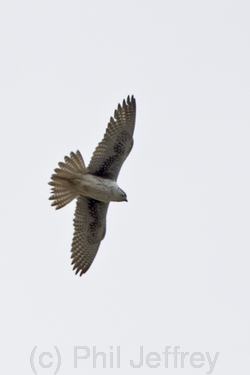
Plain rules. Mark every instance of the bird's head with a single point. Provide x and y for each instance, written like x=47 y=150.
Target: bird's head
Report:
x=121 y=195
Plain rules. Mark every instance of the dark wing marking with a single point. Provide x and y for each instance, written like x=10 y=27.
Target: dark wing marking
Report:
x=117 y=142
x=90 y=228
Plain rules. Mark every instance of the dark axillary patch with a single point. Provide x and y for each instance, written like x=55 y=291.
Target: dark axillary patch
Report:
x=121 y=147
x=95 y=225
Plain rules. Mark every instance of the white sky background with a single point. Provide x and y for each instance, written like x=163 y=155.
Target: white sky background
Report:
x=173 y=269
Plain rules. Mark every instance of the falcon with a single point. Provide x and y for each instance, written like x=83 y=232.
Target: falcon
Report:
x=95 y=186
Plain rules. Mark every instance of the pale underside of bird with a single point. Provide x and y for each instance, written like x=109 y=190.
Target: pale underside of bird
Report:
x=95 y=186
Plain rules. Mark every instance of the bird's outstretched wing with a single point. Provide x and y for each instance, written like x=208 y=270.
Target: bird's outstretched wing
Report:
x=90 y=228
x=117 y=142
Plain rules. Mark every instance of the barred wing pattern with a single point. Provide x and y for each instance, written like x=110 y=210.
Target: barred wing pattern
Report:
x=117 y=142
x=107 y=160
x=90 y=228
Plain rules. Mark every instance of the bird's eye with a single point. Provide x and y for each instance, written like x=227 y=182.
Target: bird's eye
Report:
x=122 y=193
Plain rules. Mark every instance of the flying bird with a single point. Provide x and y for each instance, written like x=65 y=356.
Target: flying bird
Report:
x=95 y=186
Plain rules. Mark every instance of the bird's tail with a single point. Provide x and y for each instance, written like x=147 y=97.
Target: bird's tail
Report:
x=63 y=192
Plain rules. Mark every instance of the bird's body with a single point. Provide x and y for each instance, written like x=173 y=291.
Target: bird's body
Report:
x=94 y=187
x=99 y=188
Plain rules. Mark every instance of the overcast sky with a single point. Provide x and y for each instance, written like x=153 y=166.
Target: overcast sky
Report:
x=173 y=269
